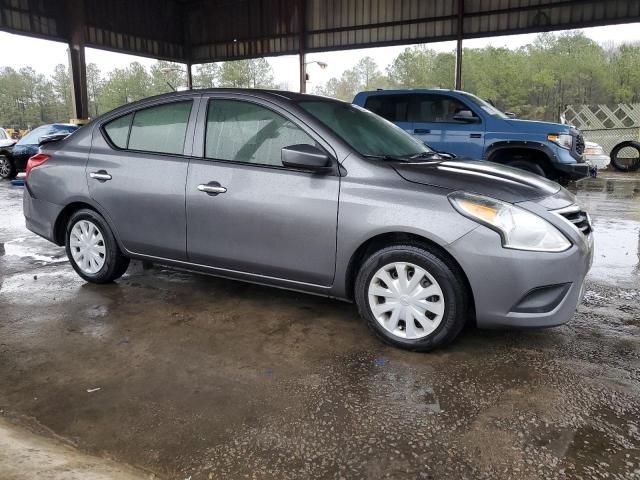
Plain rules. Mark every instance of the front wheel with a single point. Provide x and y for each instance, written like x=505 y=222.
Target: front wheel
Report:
x=411 y=298
x=92 y=249
x=528 y=166
x=7 y=168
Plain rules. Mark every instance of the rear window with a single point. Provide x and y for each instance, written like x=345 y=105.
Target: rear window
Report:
x=159 y=129
x=118 y=130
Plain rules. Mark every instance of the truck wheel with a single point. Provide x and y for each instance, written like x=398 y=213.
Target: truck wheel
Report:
x=528 y=167
x=623 y=157
x=7 y=168
x=411 y=298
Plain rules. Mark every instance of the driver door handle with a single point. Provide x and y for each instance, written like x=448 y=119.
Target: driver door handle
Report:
x=212 y=188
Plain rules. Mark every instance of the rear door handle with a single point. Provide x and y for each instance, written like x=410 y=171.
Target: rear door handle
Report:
x=100 y=175
x=476 y=135
x=421 y=130
x=212 y=188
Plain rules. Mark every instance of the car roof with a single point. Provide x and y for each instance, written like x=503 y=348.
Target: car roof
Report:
x=409 y=91
x=268 y=94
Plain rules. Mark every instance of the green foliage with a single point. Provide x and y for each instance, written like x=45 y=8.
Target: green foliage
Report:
x=365 y=75
x=253 y=73
x=534 y=81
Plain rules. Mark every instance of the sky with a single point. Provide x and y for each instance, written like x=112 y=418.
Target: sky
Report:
x=43 y=56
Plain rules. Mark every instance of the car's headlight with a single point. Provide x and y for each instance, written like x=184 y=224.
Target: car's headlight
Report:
x=564 y=140
x=519 y=229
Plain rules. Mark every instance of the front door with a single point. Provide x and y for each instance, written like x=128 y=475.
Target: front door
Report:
x=137 y=172
x=433 y=123
x=248 y=213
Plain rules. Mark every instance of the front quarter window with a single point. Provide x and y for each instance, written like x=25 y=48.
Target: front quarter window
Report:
x=367 y=133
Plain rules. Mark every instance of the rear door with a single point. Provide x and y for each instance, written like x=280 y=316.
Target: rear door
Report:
x=433 y=123
x=269 y=220
x=137 y=171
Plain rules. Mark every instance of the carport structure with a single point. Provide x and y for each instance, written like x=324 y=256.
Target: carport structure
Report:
x=203 y=31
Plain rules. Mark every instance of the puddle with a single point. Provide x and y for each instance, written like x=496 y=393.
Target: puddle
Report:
x=21 y=247
x=614 y=206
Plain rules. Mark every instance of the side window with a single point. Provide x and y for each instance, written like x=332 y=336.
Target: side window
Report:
x=118 y=130
x=391 y=107
x=245 y=132
x=436 y=109
x=160 y=129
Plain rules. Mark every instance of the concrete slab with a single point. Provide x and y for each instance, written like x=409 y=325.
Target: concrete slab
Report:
x=204 y=378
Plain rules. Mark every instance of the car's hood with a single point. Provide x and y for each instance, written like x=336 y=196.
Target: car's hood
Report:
x=533 y=126
x=7 y=142
x=484 y=178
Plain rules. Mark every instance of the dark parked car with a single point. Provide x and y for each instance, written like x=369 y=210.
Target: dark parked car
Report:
x=317 y=195
x=15 y=160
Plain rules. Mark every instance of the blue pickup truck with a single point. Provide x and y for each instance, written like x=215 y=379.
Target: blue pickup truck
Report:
x=458 y=122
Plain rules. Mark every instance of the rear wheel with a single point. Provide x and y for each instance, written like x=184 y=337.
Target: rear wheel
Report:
x=7 y=168
x=411 y=298
x=92 y=249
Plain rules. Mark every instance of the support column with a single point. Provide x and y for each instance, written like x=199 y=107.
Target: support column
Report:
x=189 y=77
x=77 y=63
x=458 y=79
x=302 y=20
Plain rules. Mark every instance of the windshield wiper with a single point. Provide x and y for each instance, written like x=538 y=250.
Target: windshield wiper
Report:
x=392 y=158
x=426 y=155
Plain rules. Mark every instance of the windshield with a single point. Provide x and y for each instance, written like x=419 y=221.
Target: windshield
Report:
x=367 y=133
x=486 y=106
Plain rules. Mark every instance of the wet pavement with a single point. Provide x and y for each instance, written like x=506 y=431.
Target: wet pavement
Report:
x=202 y=378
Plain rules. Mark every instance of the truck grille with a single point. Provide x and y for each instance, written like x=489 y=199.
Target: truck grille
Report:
x=578 y=217
x=579 y=144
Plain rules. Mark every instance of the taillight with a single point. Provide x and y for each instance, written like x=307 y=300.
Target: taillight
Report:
x=35 y=161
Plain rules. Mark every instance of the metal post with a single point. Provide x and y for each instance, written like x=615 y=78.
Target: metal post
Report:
x=77 y=63
x=189 y=76
x=302 y=41
x=458 y=79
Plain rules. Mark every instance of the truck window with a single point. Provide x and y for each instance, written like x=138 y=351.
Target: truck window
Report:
x=394 y=108
x=435 y=109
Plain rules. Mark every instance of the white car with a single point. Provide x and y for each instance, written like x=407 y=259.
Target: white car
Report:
x=595 y=155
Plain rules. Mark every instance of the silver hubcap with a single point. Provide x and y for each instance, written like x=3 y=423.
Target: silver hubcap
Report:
x=87 y=246
x=406 y=300
x=5 y=168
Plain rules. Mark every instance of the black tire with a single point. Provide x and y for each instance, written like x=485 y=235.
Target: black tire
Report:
x=615 y=161
x=528 y=166
x=115 y=263
x=443 y=270
x=7 y=168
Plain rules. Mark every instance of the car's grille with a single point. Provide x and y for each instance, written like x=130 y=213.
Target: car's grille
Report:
x=578 y=217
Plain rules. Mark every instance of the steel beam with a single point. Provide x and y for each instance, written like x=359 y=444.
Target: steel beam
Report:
x=460 y=36
x=77 y=63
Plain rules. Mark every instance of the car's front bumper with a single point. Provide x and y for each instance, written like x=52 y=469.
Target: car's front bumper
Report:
x=515 y=288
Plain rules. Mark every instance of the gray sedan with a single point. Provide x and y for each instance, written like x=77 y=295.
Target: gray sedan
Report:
x=316 y=195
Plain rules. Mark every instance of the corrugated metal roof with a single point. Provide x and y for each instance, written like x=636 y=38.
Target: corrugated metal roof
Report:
x=204 y=31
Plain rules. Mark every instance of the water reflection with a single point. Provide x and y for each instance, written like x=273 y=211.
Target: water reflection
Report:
x=614 y=205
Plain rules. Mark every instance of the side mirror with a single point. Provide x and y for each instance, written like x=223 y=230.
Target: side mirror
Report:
x=306 y=157
x=466 y=116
